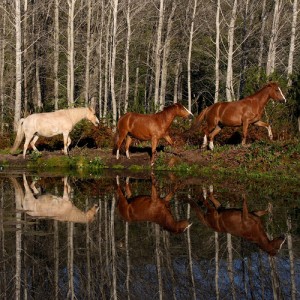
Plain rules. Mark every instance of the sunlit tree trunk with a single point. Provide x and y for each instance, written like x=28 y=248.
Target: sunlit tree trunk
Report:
x=88 y=53
x=56 y=53
x=38 y=84
x=176 y=80
x=292 y=42
x=262 y=33
x=18 y=93
x=217 y=63
x=113 y=61
x=190 y=56
x=26 y=59
x=273 y=40
x=229 y=77
x=71 y=53
x=128 y=21
x=166 y=51
x=2 y=63
x=157 y=60
x=136 y=84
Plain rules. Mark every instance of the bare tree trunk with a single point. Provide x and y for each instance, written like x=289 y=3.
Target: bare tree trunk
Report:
x=88 y=53
x=190 y=57
x=292 y=259
x=25 y=61
x=71 y=291
x=18 y=95
x=136 y=85
x=2 y=63
x=262 y=33
x=273 y=40
x=71 y=55
x=127 y=57
x=113 y=61
x=3 y=280
x=176 y=80
x=56 y=53
x=292 y=42
x=230 y=264
x=229 y=78
x=158 y=53
x=166 y=51
x=38 y=84
x=217 y=63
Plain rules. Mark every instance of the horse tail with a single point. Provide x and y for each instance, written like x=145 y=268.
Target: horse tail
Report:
x=197 y=122
x=19 y=136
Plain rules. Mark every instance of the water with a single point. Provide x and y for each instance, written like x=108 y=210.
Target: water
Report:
x=147 y=237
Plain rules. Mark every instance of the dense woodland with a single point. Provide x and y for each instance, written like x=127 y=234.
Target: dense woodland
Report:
x=140 y=55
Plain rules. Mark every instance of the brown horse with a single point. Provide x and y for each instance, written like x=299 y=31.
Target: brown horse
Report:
x=238 y=222
x=238 y=113
x=149 y=208
x=147 y=127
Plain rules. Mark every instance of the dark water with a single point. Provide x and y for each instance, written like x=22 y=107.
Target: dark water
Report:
x=115 y=237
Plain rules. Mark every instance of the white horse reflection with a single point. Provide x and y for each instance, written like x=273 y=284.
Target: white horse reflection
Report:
x=54 y=207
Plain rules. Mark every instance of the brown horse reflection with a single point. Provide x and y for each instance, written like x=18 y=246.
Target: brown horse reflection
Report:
x=238 y=113
x=147 y=127
x=238 y=222
x=51 y=206
x=149 y=208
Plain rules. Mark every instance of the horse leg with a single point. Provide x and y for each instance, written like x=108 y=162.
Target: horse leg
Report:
x=168 y=139
x=128 y=143
x=32 y=143
x=127 y=188
x=245 y=131
x=212 y=198
x=153 y=150
x=206 y=133
x=26 y=143
x=67 y=142
x=267 y=126
x=121 y=137
x=212 y=135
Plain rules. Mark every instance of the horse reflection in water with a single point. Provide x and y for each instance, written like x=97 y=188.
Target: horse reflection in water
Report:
x=238 y=222
x=149 y=208
x=54 y=207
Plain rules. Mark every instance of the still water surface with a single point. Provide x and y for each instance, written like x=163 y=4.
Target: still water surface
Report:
x=147 y=236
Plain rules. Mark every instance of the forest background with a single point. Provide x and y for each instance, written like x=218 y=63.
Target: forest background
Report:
x=138 y=55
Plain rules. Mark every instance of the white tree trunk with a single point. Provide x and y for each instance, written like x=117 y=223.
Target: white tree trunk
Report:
x=88 y=52
x=71 y=56
x=158 y=53
x=217 y=63
x=262 y=33
x=292 y=42
x=113 y=61
x=273 y=40
x=190 y=57
x=176 y=80
x=229 y=78
x=166 y=51
x=128 y=21
x=56 y=53
x=18 y=95
x=2 y=62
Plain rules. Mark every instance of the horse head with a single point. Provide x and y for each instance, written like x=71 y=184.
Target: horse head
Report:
x=275 y=92
x=92 y=117
x=181 y=111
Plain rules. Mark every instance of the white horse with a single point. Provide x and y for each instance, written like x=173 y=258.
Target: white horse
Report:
x=50 y=124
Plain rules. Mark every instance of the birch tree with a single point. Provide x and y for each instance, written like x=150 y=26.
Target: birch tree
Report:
x=273 y=40
x=18 y=95
x=190 y=56
x=2 y=62
x=292 y=42
x=56 y=52
x=217 y=63
x=157 y=59
x=88 y=52
x=229 y=77
x=70 y=54
x=113 y=60
x=262 y=33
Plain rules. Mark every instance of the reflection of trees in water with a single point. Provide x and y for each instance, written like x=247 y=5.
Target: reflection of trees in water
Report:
x=111 y=258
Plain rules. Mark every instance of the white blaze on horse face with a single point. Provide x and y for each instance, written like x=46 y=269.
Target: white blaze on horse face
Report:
x=282 y=94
